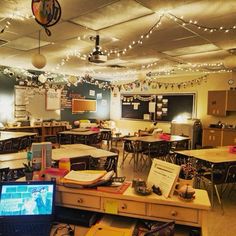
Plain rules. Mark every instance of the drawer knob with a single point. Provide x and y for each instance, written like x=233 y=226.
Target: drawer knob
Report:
x=174 y=213
x=124 y=206
x=80 y=200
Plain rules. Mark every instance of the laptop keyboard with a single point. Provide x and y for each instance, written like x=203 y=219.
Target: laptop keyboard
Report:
x=30 y=229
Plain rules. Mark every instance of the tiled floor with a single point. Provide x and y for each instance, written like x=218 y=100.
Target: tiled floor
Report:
x=218 y=224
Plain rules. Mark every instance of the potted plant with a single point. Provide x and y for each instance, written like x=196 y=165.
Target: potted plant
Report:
x=186 y=175
x=28 y=171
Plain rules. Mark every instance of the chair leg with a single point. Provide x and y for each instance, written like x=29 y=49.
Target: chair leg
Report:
x=123 y=159
x=219 y=199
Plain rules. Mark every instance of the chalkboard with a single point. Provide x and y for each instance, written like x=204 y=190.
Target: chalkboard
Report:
x=166 y=106
x=137 y=106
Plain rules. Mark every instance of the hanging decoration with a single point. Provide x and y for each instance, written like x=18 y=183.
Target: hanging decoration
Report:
x=200 y=26
x=39 y=60
x=138 y=97
x=154 y=84
x=46 y=12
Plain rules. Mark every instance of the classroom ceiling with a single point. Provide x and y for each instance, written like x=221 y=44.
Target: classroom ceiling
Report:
x=140 y=36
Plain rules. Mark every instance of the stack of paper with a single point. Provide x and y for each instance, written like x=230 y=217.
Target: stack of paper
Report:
x=84 y=177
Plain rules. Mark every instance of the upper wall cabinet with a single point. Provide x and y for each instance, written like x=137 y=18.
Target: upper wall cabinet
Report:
x=219 y=102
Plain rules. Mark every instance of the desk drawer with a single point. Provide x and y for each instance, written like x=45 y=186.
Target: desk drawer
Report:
x=174 y=213
x=130 y=207
x=82 y=200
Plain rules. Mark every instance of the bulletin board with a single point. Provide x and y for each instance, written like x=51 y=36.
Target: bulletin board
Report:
x=53 y=99
x=84 y=105
x=166 y=106
x=137 y=107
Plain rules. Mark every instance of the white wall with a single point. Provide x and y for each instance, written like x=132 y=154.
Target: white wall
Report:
x=216 y=81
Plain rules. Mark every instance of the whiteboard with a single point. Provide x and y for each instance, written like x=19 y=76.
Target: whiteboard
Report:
x=53 y=99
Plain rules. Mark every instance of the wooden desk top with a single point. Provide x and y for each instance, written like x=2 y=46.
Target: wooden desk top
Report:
x=213 y=155
x=57 y=154
x=152 y=138
x=78 y=146
x=81 y=133
x=5 y=135
x=15 y=160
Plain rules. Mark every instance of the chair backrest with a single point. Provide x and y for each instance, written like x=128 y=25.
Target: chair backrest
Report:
x=158 y=149
x=111 y=163
x=128 y=146
x=24 y=143
x=3 y=174
x=80 y=163
x=231 y=174
x=106 y=135
x=51 y=138
x=7 y=146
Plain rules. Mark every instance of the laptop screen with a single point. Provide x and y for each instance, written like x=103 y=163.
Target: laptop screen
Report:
x=27 y=198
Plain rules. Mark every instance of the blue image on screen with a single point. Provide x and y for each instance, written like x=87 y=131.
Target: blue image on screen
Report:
x=26 y=200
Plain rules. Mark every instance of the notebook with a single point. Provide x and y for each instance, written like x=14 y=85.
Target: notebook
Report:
x=26 y=208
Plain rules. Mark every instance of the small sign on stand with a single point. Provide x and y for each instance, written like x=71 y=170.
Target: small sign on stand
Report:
x=164 y=175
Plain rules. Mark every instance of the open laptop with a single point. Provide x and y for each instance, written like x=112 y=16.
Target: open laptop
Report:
x=26 y=208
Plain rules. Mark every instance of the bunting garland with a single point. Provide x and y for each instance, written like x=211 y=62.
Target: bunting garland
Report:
x=147 y=84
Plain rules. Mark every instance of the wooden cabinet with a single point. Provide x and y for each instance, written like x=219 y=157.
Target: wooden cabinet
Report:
x=228 y=137
x=174 y=213
x=42 y=131
x=219 y=102
x=212 y=137
x=152 y=207
x=130 y=207
x=81 y=200
x=218 y=137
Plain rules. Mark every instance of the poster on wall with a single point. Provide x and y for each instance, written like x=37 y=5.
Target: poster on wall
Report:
x=53 y=99
x=20 y=96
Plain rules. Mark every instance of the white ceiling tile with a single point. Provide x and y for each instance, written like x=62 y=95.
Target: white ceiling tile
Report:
x=26 y=43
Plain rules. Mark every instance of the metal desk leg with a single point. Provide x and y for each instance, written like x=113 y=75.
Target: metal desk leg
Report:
x=212 y=185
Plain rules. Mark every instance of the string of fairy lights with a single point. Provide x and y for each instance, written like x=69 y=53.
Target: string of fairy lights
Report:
x=195 y=23
x=211 y=67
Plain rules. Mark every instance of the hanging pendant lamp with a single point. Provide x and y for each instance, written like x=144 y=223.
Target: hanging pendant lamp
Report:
x=39 y=60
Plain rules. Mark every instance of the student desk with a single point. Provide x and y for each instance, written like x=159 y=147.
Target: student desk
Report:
x=87 y=134
x=213 y=156
x=5 y=135
x=149 y=139
x=152 y=207
x=15 y=160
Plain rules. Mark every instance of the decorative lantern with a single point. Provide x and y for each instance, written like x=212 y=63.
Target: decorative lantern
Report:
x=230 y=62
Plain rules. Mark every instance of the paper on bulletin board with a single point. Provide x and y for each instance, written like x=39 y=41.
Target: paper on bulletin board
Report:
x=135 y=104
x=151 y=107
x=20 y=95
x=111 y=206
x=99 y=95
x=104 y=102
x=146 y=116
x=53 y=99
x=92 y=92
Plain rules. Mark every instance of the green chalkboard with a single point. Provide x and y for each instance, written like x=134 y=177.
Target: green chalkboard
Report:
x=164 y=107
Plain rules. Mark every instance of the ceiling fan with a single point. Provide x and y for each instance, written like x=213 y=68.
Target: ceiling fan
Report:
x=97 y=56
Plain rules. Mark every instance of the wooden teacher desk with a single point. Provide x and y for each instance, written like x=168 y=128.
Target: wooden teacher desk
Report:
x=152 y=207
